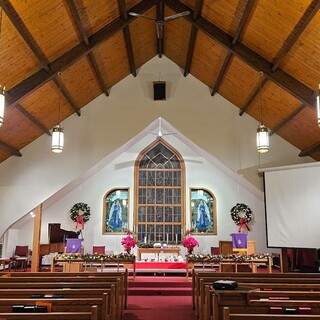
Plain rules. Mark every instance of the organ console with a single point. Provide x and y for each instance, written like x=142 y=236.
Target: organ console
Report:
x=57 y=239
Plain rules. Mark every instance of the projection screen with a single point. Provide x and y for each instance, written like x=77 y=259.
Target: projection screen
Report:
x=292 y=199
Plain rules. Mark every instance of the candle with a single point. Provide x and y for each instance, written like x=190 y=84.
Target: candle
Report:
x=176 y=239
x=145 y=239
x=167 y=238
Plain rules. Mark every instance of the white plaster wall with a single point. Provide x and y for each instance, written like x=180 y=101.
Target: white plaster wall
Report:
x=228 y=187
x=109 y=122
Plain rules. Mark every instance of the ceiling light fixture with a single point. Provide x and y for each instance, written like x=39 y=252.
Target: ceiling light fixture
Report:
x=2 y=89
x=318 y=105
x=262 y=131
x=57 y=141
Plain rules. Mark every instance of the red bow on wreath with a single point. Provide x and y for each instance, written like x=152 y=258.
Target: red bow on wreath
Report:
x=243 y=224
x=80 y=221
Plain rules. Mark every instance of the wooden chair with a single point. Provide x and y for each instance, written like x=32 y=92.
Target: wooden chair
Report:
x=21 y=257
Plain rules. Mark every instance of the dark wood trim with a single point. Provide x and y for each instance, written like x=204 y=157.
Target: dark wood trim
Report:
x=160 y=17
x=10 y=149
x=32 y=118
x=297 y=31
x=254 y=60
x=24 y=33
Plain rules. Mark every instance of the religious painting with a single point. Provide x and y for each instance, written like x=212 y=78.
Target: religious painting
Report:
x=115 y=211
x=203 y=211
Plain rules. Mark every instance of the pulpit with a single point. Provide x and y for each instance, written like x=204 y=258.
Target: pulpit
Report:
x=226 y=248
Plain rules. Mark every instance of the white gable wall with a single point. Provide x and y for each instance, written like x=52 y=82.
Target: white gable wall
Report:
x=120 y=173
x=107 y=123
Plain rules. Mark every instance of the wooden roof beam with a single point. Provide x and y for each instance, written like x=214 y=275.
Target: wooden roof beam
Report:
x=254 y=93
x=302 y=24
x=127 y=37
x=84 y=37
x=24 y=32
x=235 y=39
x=67 y=96
x=41 y=77
x=255 y=61
x=10 y=149
x=309 y=150
x=286 y=120
x=160 y=17
x=192 y=38
x=32 y=118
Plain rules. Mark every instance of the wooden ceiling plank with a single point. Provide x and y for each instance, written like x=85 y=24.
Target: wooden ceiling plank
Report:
x=253 y=95
x=257 y=62
x=41 y=77
x=84 y=37
x=309 y=150
x=235 y=39
x=192 y=38
x=32 y=118
x=24 y=33
x=67 y=96
x=10 y=149
x=302 y=24
x=127 y=38
x=286 y=120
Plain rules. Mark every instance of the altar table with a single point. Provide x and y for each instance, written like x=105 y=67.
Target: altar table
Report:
x=157 y=251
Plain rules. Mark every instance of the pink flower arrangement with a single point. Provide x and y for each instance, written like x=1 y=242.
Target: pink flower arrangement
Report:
x=128 y=242
x=190 y=242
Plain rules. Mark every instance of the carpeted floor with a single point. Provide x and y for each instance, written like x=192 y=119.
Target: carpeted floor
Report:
x=155 y=298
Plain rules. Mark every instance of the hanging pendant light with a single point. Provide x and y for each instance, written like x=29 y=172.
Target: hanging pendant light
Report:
x=2 y=104
x=318 y=105
x=57 y=141
x=262 y=131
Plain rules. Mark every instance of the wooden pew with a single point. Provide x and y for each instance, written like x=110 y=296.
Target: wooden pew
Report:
x=93 y=315
x=202 y=282
x=227 y=315
x=61 y=305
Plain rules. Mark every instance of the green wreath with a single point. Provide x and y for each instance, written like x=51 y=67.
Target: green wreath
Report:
x=241 y=207
x=84 y=208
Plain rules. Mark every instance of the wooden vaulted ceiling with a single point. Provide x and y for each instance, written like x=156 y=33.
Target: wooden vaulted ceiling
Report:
x=54 y=49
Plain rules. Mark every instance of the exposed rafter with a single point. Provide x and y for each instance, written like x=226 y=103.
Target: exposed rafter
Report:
x=254 y=93
x=235 y=39
x=24 y=32
x=10 y=149
x=160 y=15
x=309 y=150
x=297 y=31
x=32 y=119
x=286 y=120
x=85 y=38
x=257 y=62
x=127 y=37
x=192 y=38
x=67 y=96
x=41 y=77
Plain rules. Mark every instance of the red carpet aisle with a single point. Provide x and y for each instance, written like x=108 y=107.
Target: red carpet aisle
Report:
x=159 y=298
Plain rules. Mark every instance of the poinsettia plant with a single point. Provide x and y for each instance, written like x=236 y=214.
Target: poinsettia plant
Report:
x=190 y=242
x=128 y=242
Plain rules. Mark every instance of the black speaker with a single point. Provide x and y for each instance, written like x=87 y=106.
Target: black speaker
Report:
x=159 y=90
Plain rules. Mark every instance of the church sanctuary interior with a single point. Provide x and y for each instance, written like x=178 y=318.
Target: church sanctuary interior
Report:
x=171 y=146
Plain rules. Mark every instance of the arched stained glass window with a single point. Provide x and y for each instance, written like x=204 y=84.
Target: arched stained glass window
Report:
x=160 y=189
